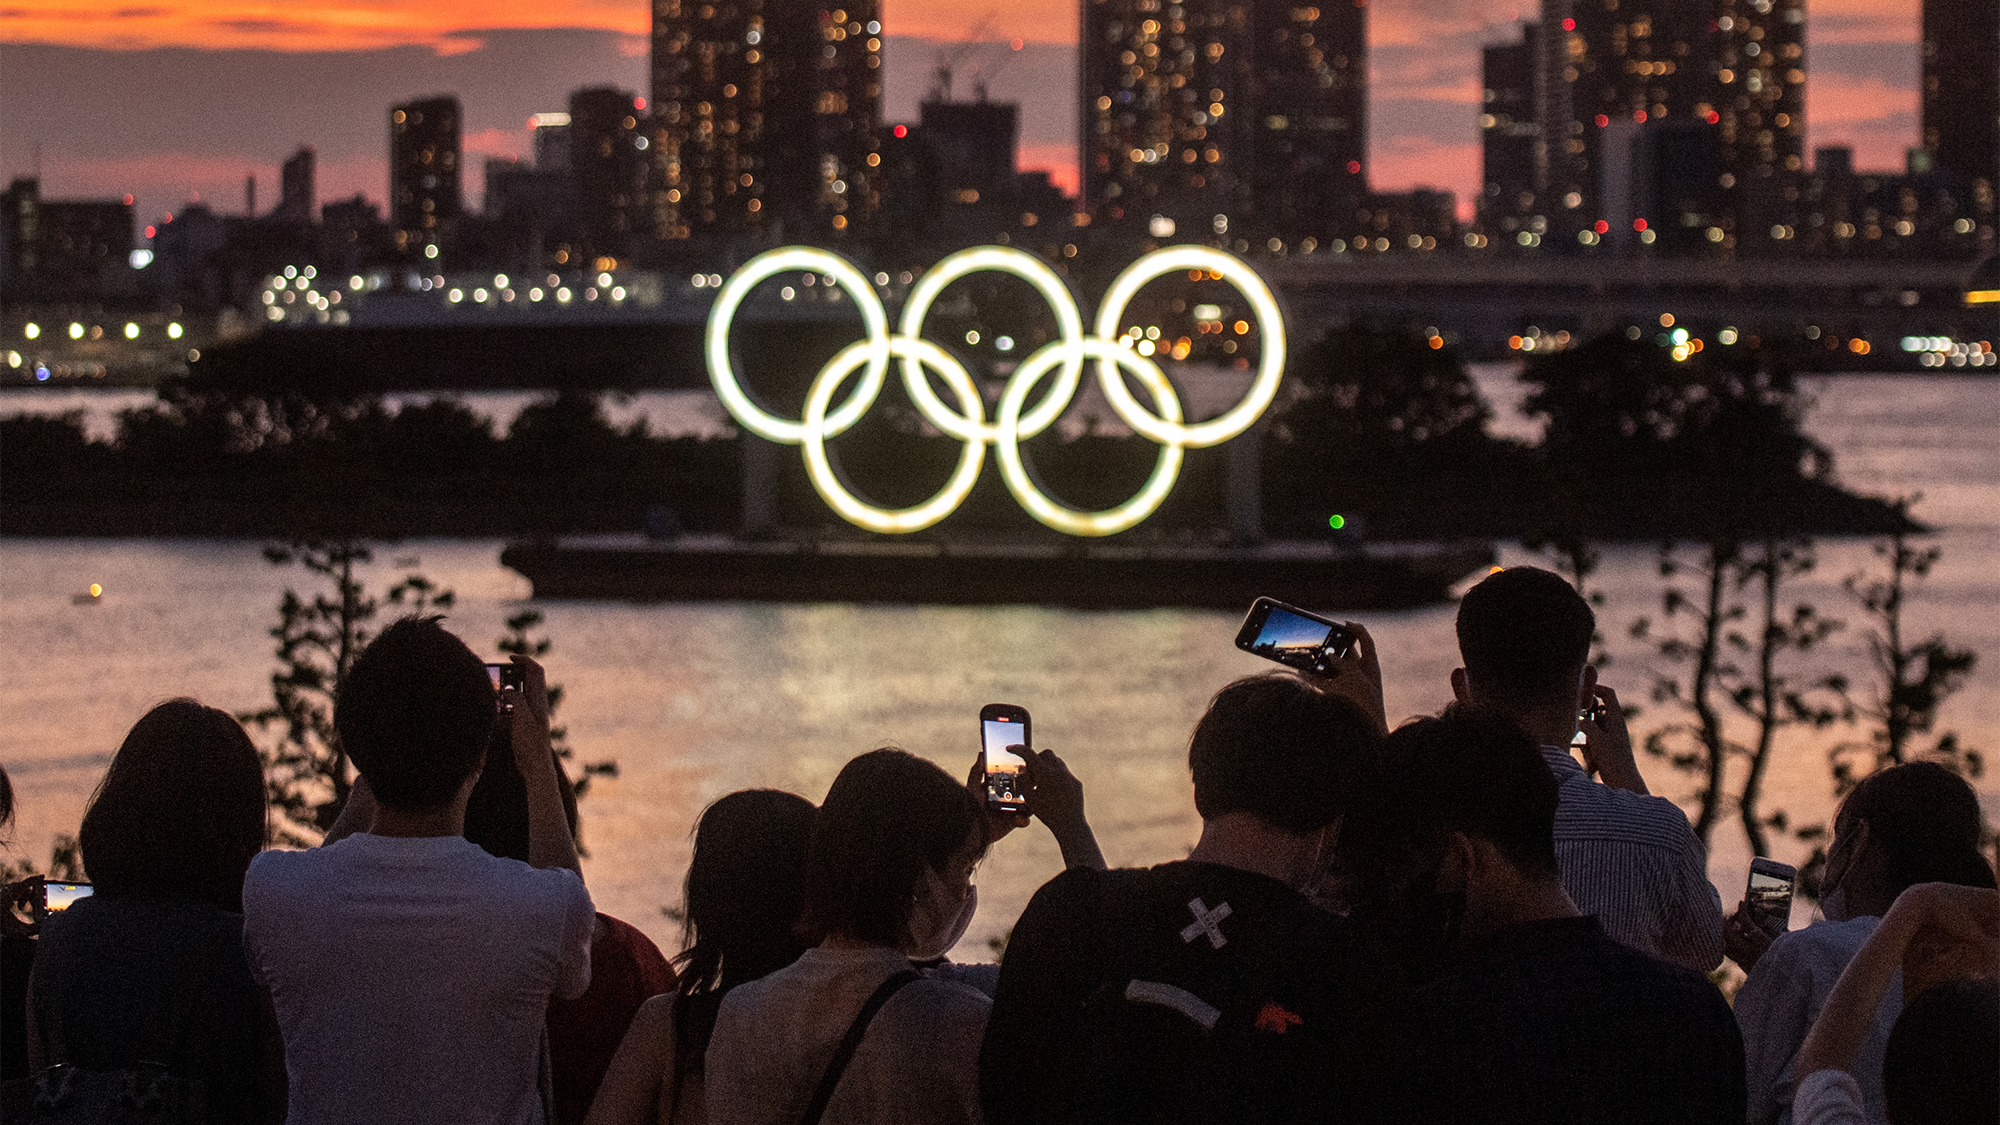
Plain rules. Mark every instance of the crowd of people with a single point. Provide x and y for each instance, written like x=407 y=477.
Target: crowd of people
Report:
x=1451 y=921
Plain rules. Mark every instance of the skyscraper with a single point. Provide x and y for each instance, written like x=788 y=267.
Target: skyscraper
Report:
x=1200 y=114
x=766 y=116
x=1309 y=120
x=296 y=196
x=608 y=164
x=1693 y=110
x=1961 y=92
x=1624 y=64
x=424 y=173
x=1759 y=102
x=1510 y=135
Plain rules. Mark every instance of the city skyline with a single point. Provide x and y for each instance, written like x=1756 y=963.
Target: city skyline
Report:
x=1423 y=101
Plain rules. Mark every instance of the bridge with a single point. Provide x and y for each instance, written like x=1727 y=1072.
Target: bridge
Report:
x=1485 y=300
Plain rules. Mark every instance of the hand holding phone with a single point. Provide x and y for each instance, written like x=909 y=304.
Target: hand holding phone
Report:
x=1293 y=637
x=58 y=897
x=1769 y=895
x=506 y=676
x=1341 y=656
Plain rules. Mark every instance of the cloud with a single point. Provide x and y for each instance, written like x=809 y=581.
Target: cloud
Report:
x=268 y=26
x=1863 y=21
x=307 y=25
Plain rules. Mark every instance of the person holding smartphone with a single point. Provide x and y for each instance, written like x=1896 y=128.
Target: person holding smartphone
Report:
x=1627 y=857
x=411 y=970
x=1909 y=824
x=1215 y=981
x=151 y=968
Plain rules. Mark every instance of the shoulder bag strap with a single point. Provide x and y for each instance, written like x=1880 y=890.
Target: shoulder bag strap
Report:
x=848 y=1045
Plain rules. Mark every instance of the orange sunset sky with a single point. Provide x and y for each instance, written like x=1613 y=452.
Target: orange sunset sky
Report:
x=177 y=98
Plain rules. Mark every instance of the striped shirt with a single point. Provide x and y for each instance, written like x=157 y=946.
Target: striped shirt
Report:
x=1632 y=861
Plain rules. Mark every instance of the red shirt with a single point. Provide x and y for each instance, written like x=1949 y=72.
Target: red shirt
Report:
x=626 y=969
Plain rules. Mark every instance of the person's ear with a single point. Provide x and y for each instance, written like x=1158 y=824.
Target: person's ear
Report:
x=1461 y=688
x=1460 y=860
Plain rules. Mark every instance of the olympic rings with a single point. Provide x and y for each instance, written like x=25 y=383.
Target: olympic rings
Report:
x=1064 y=358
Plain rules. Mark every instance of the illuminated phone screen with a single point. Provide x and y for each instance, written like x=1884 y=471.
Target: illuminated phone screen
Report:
x=1001 y=734
x=1770 y=898
x=1295 y=641
x=1006 y=784
x=62 y=895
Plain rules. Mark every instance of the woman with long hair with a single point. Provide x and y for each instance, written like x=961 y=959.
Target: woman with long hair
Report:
x=152 y=963
x=745 y=886
x=1906 y=825
x=851 y=1032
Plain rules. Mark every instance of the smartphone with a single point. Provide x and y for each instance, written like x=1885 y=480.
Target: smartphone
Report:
x=58 y=897
x=506 y=675
x=1769 y=894
x=1004 y=742
x=1293 y=637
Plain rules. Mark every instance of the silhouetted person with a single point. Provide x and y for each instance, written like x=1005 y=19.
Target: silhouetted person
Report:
x=1214 y=988
x=745 y=890
x=888 y=881
x=626 y=968
x=411 y=970
x=150 y=968
x=1525 y=1011
x=1626 y=857
x=1914 y=823
x=1939 y=1068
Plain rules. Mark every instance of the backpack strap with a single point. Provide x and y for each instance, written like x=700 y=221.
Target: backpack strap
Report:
x=848 y=1045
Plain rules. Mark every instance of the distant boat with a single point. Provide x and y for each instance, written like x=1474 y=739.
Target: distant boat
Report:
x=1317 y=575
x=89 y=597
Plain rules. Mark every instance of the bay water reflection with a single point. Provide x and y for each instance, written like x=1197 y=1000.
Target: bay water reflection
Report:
x=693 y=701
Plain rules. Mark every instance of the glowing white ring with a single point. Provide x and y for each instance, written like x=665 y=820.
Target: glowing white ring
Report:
x=828 y=483
x=1270 y=364
x=1112 y=520
x=730 y=389
x=1035 y=272
x=872 y=354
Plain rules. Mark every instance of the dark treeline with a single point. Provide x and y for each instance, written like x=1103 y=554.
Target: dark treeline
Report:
x=1376 y=425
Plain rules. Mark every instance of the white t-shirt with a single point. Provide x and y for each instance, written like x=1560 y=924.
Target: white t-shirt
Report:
x=918 y=1064
x=412 y=976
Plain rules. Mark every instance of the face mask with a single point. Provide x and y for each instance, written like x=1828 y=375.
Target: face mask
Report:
x=937 y=923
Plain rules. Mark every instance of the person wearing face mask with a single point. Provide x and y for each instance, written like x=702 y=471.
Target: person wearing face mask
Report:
x=1909 y=824
x=1523 y=1010
x=1211 y=988
x=852 y=1033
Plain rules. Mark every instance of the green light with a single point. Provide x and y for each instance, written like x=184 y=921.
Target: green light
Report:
x=1336 y=522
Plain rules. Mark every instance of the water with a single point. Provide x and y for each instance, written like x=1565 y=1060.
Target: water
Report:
x=696 y=700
